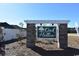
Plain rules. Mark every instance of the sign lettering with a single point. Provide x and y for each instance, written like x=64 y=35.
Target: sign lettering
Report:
x=46 y=31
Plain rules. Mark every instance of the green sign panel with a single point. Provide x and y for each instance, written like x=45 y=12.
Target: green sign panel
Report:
x=46 y=31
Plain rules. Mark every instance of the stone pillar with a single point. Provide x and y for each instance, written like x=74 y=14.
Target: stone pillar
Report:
x=2 y=44
x=31 y=35
x=63 y=38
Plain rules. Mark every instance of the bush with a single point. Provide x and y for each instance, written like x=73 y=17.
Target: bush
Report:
x=71 y=30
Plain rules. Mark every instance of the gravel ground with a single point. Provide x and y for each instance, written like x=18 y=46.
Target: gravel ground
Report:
x=20 y=49
x=17 y=49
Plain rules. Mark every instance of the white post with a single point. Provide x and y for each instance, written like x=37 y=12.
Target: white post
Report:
x=58 y=35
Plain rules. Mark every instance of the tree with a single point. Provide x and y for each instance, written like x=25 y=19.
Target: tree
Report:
x=20 y=30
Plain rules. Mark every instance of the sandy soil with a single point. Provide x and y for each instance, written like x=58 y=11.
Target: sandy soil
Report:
x=20 y=49
x=73 y=40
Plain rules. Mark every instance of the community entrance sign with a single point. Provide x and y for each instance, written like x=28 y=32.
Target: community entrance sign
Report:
x=46 y=32
x=59 y=32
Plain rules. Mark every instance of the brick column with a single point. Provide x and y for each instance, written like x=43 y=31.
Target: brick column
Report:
x=63 y=38
x=31 y=35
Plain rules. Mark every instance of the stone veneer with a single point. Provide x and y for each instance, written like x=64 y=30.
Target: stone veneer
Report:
x=63 y=39
x=2 y=44
x=31 y=35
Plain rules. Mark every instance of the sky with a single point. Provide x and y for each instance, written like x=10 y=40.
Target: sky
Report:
x=18 y=12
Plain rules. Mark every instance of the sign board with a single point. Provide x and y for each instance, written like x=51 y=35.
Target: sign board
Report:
x=46 y=31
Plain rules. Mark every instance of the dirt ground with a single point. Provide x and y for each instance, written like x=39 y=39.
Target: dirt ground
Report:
x=43 y=49
x=73 y=40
